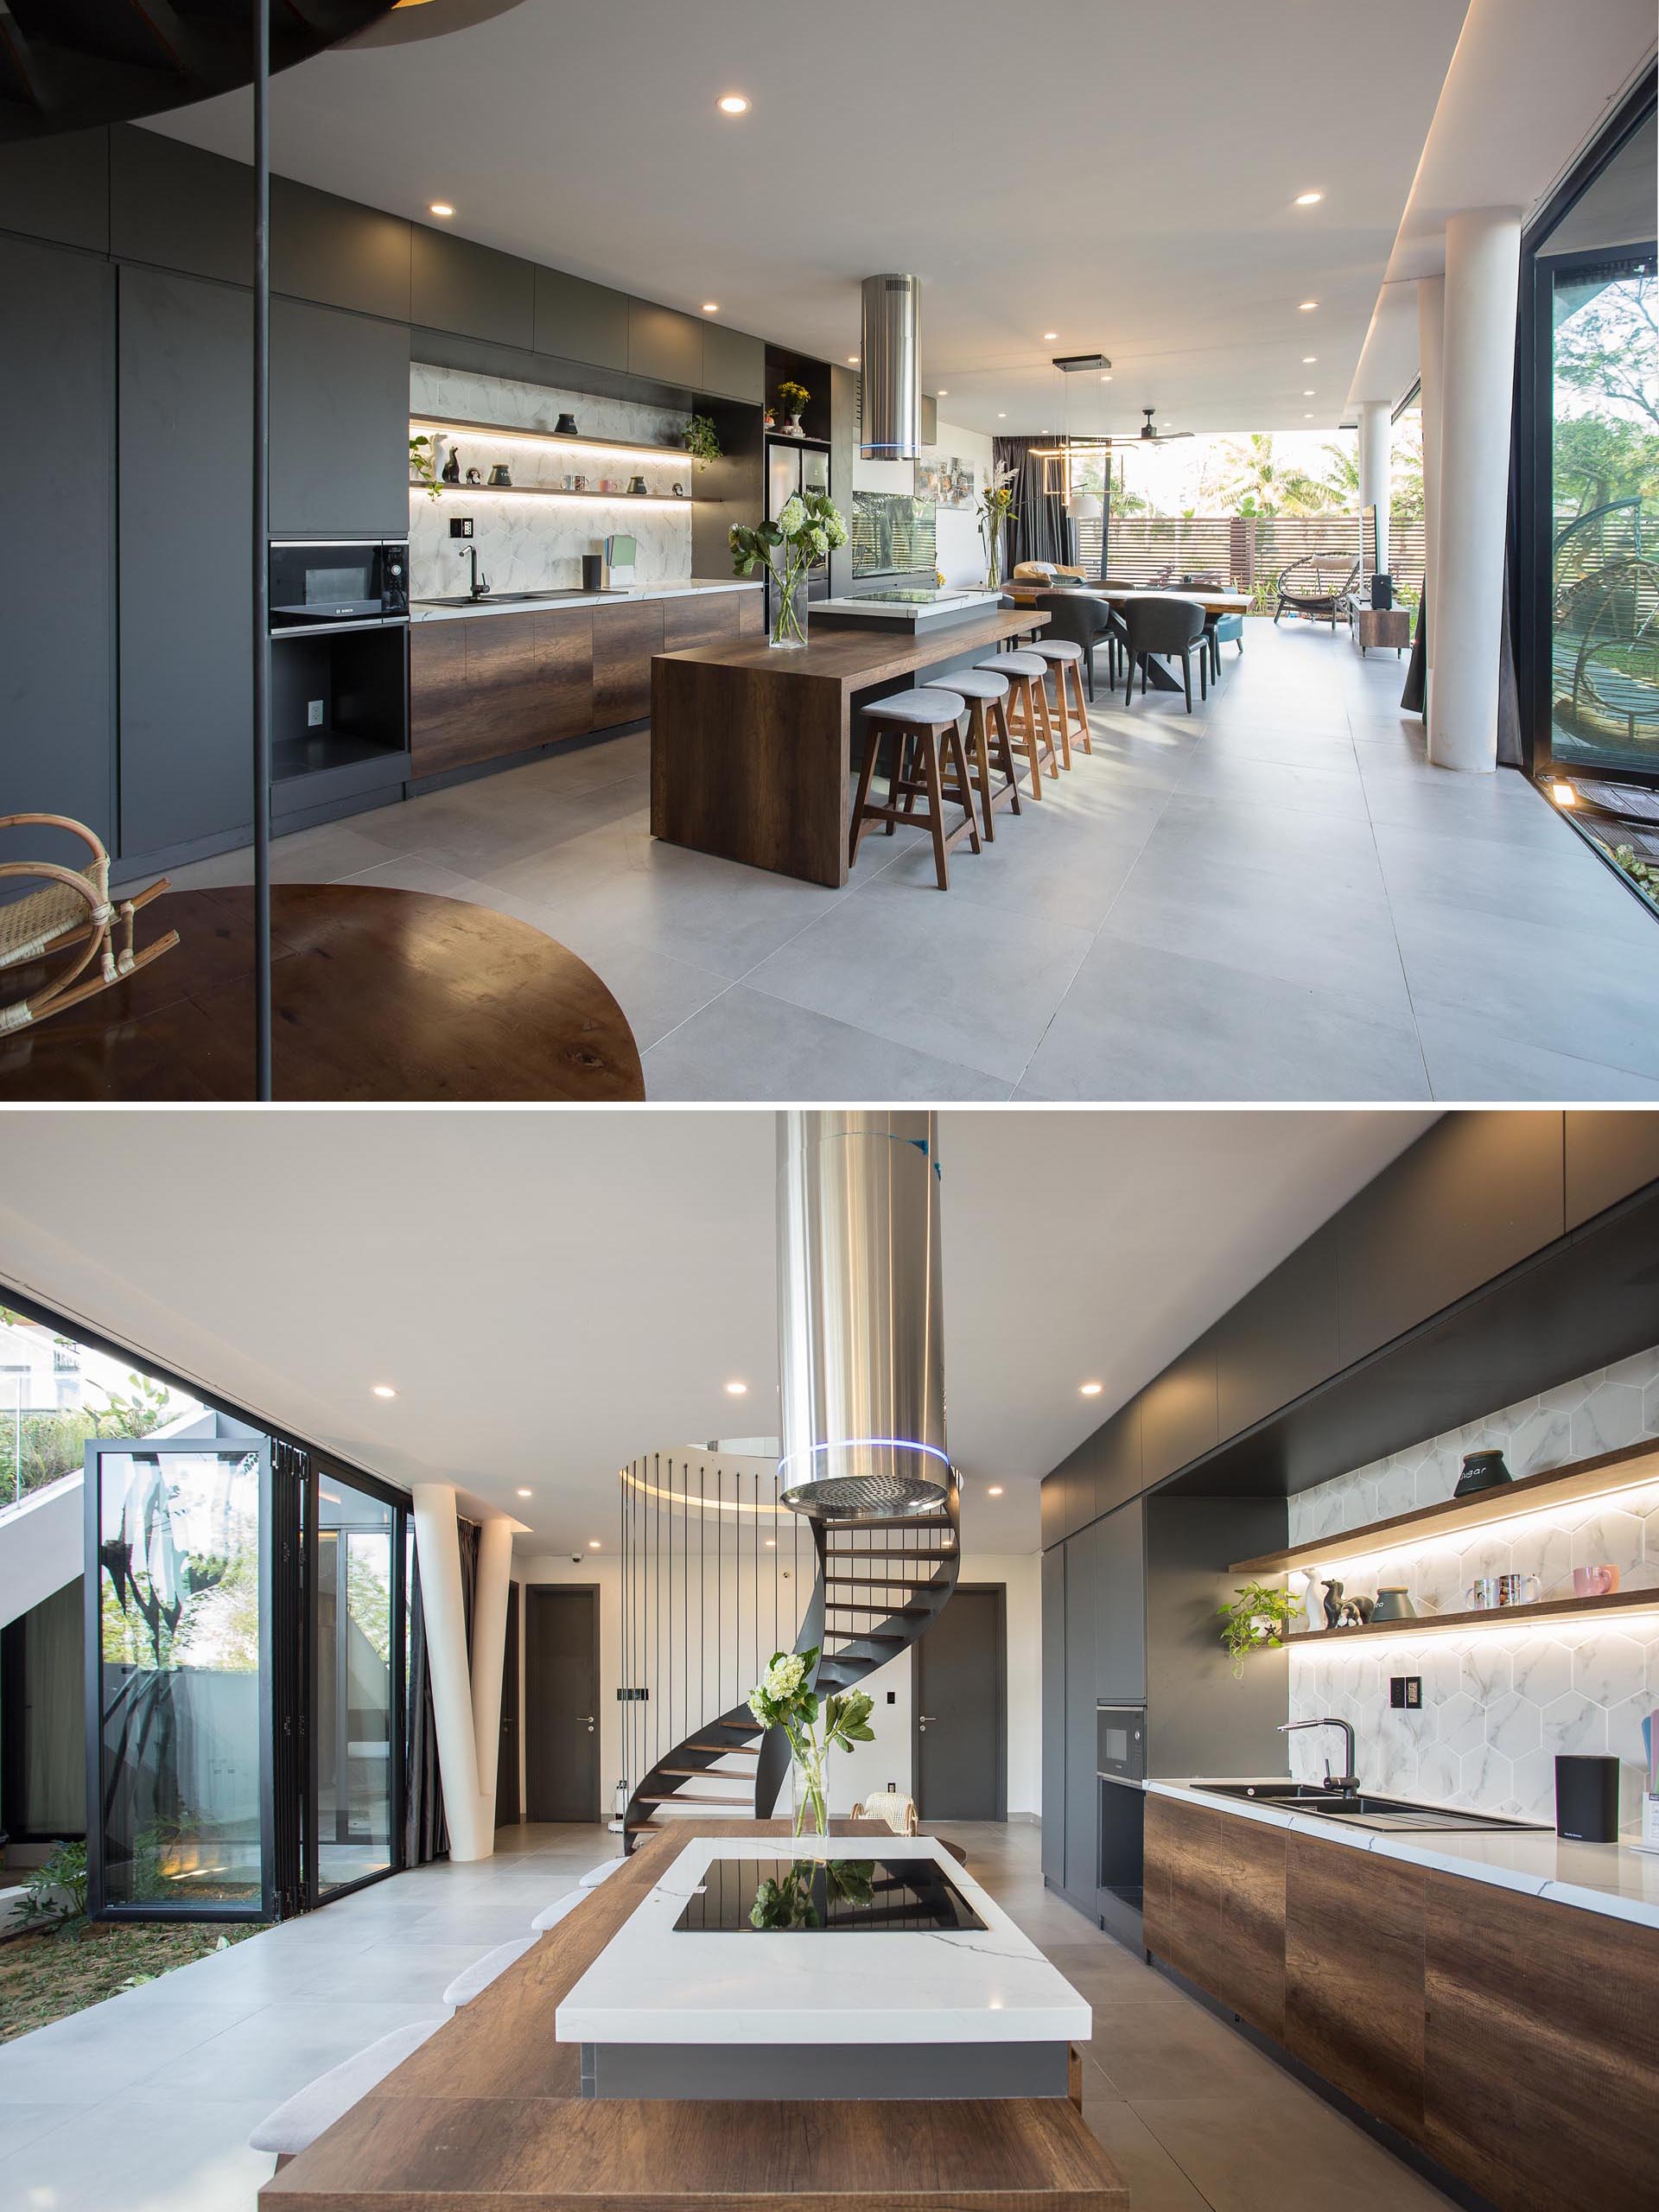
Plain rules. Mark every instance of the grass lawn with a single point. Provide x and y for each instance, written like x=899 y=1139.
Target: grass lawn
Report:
x=46 y=1977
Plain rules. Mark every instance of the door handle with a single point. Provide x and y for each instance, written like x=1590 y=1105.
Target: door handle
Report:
x=924 y=1717
x=588 y=1718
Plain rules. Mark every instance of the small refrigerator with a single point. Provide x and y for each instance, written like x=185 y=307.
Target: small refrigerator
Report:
x=797 y=465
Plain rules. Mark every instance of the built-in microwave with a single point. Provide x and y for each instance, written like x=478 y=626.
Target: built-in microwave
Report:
x=315 y=582
x=1121 y=1742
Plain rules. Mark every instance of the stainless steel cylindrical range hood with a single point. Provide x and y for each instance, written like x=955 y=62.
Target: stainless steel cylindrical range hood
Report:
x=859 y=1316
x=890 y=369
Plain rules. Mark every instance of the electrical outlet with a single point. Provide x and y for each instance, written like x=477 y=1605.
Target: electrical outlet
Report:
x=893 y=1697
x=314 y=714
x=461 y=526
x=1406 y=1693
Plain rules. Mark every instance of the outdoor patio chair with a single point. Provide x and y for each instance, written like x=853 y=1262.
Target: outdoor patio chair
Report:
x=1319 y=585
x=891 y=1805
x=297 y=2122
x=71 y=914
x=1166 y=627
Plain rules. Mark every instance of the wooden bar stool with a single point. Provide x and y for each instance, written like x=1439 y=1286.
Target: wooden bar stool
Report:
x=923 y=728
x=1029 y=723
x=985 y=690
x=1065 y=659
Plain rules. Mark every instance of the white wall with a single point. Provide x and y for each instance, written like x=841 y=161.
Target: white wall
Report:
x=961 y=556
x=870 y=1766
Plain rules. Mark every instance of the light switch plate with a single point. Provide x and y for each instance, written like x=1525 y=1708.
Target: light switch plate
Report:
x=314 y=714
x=1406 y=1693
x=461 y=526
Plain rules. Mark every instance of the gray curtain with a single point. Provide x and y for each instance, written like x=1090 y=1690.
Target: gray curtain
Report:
x=1039 y=528
x=426 y=1831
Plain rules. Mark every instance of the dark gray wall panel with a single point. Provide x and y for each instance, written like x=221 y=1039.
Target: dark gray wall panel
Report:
x=186 y=428
x=733 y=364
x=1082 y=1592
x=665 y=345
x=179 y=208
x=338 y=424
x=1120 y=1676
x=579 y=322
x=57 y=188
x=455 y=285
x=337 y=252
x=1053 y=1726
x=1178 y=1412
x=57 y=561
x=1609 y=1156
x=1282 y=1338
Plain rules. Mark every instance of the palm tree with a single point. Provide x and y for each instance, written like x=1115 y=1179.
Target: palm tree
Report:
x=1254 y=483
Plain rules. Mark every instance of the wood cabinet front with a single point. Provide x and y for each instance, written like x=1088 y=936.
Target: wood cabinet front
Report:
x=625 y=637
x=1363 y=2030
x=1215 y=1906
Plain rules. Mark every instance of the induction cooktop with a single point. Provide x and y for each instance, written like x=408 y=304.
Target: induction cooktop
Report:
x=836 y=1896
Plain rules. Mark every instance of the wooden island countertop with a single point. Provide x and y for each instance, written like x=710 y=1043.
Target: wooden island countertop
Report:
x=487 y=2116
x=751 y=745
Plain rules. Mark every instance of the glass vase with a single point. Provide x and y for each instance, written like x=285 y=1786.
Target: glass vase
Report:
x=808 y=1815
x=789 y=611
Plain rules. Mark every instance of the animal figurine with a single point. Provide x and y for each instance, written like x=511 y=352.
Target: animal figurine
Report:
x=1332 y=1604
x=1356 y=1612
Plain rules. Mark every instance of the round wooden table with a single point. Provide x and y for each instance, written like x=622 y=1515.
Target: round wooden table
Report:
x=376 y=994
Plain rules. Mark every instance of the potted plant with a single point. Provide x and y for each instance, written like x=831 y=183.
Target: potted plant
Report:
x=791 y=398
x=784 y=1698
x=424 y=465
x=1256 y=1621
x=809 y=526
x=701 y=439
x=995 y=505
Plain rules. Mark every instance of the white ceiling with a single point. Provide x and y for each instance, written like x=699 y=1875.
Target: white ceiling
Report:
x=1529 y=84
x=551 y=1293
x=1122 y=176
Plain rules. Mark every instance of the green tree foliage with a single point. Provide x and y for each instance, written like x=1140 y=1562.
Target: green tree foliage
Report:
x=1253 y=482
x=53 y=1443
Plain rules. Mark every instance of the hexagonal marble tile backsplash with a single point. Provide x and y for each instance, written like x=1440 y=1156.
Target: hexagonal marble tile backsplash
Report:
x=1498 y=1704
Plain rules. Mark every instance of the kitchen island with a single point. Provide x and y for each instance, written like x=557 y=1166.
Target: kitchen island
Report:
x=750 y=746
x=488 y=2113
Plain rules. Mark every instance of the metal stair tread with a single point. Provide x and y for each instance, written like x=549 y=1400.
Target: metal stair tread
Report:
x=682 y=1797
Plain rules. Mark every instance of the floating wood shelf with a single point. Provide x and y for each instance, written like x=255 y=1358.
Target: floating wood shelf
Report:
x=1604 y=1476
x=565 y=443
x=558 y=491
x=1548 y=1613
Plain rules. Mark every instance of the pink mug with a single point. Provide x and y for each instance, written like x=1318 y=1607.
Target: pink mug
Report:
x=1594 y=1581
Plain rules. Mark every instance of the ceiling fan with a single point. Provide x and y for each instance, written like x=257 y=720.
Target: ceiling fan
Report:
x=1148 y=436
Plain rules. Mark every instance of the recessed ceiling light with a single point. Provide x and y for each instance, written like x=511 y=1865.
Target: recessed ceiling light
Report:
x=737 y=1389
x=1003 y=415
x=994 y=1489
x=1306 y=307
x=1307 y=395
x=594 y=1544
x=734 y=103
x=1090 y=1389
x=1308 y=418
x=852 y=360
x=1308 y=359
x=711 y=306
x=1107 y=379
x=772 y=1543
x=942 y=393
x=527 y=1493
x=384 y=1390
x=1049 y=335
x=1309 y=199
x=440 y=207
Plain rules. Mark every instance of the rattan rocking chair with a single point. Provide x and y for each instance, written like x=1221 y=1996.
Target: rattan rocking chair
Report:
x=71 y=914
x=1310 y=587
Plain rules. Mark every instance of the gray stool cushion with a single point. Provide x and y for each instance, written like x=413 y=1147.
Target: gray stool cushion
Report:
x=1018 y=663
x=477 y=1978
x=979 y=683
x=1057 y=649
x=296 y=2125
x=552 y=1915
x=605 y=1867
x=925 y=706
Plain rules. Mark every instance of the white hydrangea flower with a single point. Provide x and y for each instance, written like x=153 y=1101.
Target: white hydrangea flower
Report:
x=793 y=515
x=783 y=1678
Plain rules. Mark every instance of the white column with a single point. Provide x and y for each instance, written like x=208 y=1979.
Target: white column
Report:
x=465 y=1703
x=1483 y=260
x=1431 y=346
x=1375 y=456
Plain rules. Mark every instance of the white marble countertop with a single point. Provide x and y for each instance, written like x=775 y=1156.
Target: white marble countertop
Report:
x=1609 y=1878
x=654 y=1984
x=675 y=587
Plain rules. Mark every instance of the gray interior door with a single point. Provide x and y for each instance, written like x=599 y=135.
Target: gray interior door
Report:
x=961 y=1709
x=562 y=1703
x=506 y=1772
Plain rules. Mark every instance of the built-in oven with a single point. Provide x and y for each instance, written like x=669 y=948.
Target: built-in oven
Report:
x=1119 y=1788
x=316 y=582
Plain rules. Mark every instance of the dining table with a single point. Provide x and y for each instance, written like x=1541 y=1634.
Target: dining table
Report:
x=1214 y=600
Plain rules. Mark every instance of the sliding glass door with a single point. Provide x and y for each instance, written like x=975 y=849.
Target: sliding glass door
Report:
x=358 y=1645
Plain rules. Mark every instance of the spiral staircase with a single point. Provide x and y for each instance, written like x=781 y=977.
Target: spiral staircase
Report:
x=880 y=1583
x=69 y=65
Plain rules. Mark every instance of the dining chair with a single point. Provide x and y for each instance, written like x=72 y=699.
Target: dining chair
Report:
x=1165 y=625
x=1083 y=621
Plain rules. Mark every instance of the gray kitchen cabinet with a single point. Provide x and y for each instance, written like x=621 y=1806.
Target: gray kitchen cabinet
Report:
x=1082 y=1581
x=1052 y=1507
x=1179 y=1420
x=664 y=344
x=57 y=561
x=338 y=253
x=178 y=207
x=455 y=285
x=733 y=364
x=1609 y=1155
x=1053 y=1729
x=1120 y=1676
x=57 y=188
x=1281 y=1339
x=184 y=414
x=576 y=321
x=338 y=424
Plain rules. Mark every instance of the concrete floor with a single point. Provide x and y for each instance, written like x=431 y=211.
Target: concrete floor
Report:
x=1275 y=898
x=144 y=2104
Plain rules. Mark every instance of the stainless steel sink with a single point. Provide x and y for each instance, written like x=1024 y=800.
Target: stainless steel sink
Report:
x=523 y=598
x=1361 y=1809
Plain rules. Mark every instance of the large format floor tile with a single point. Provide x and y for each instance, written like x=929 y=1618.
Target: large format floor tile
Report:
x=1273 y=898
